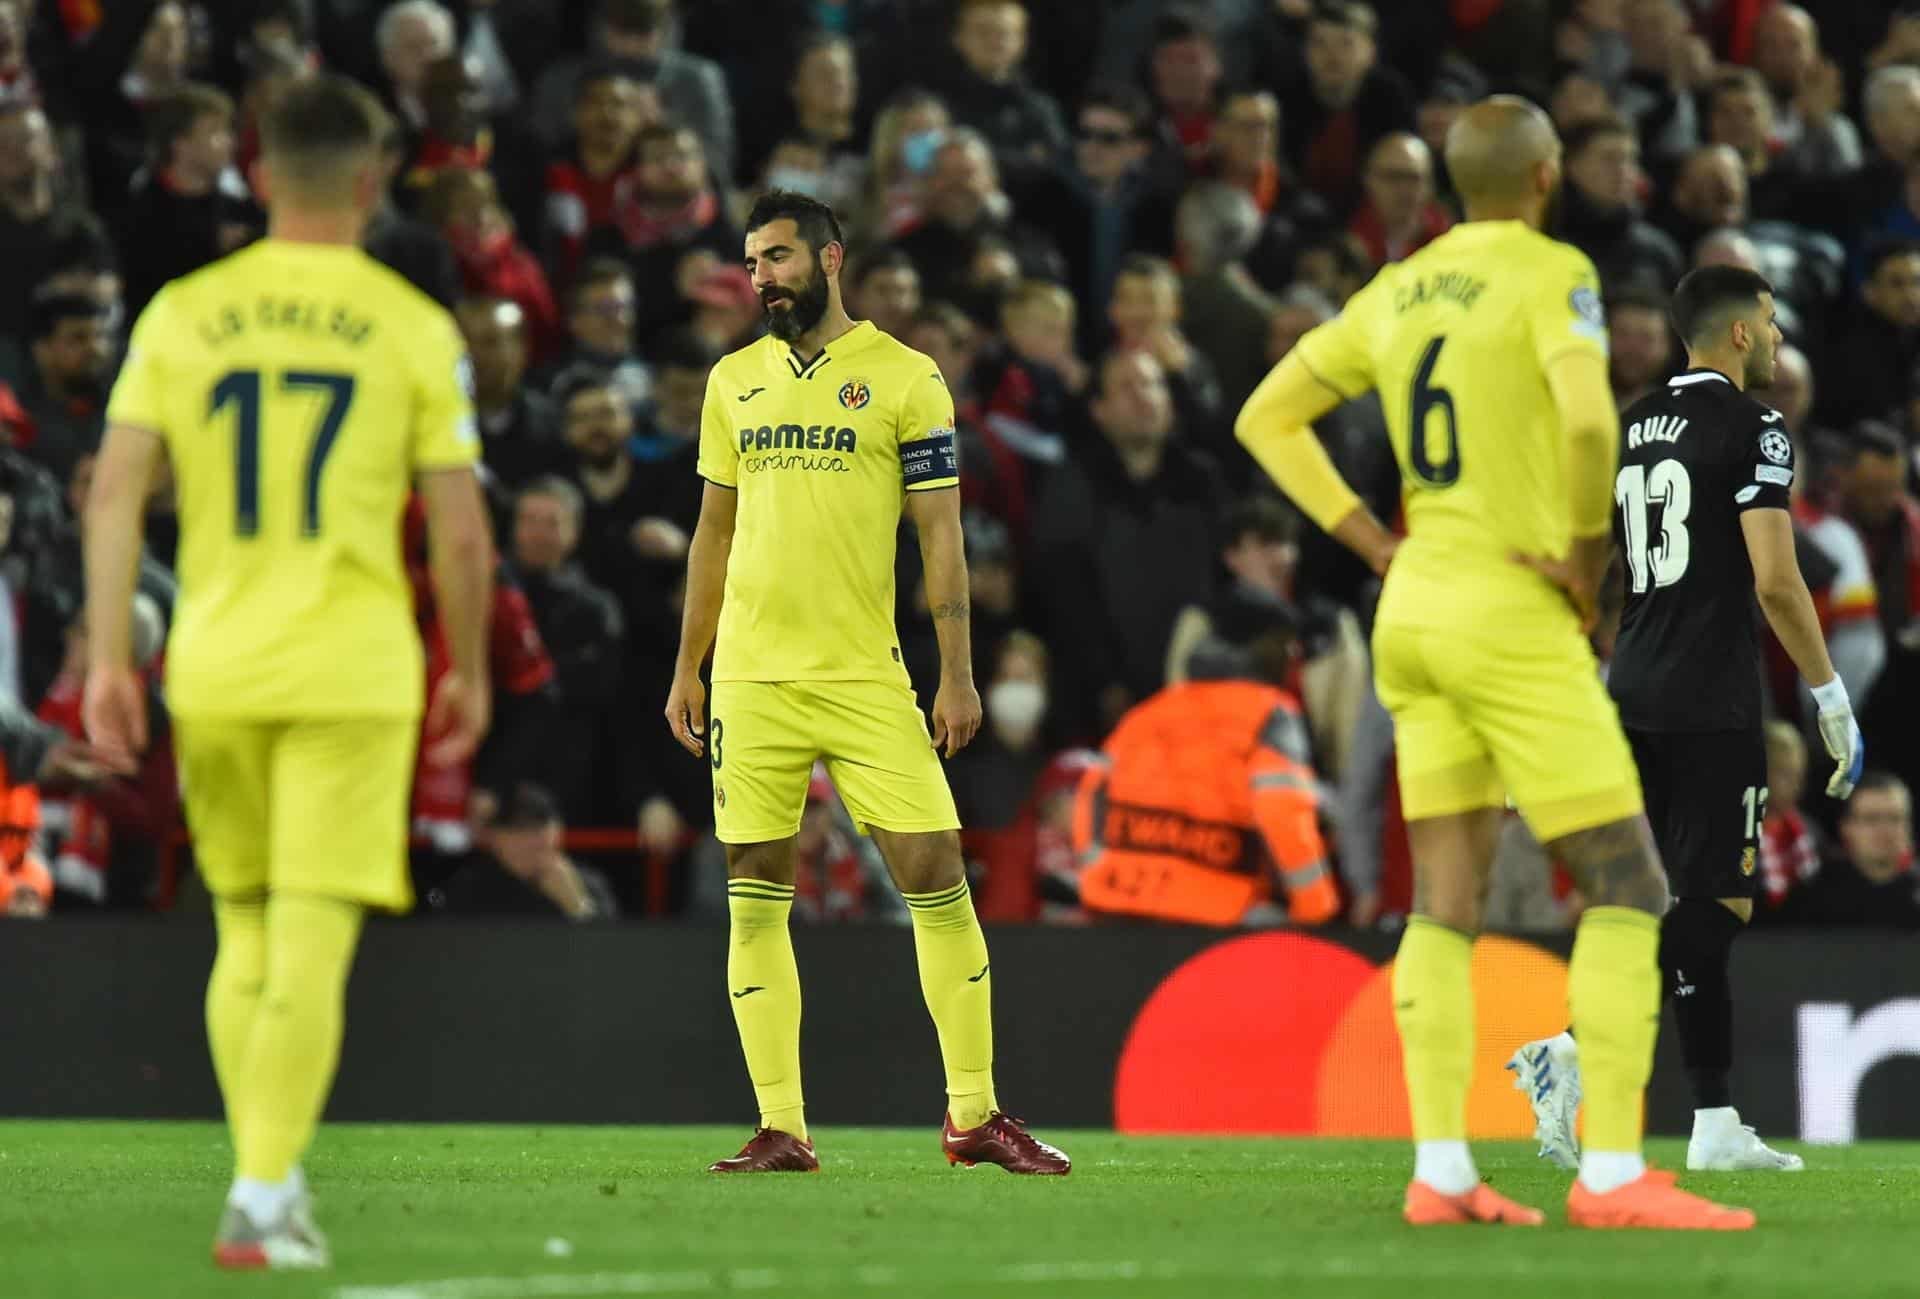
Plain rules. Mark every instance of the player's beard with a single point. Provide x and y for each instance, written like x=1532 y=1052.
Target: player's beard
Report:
x=1761 y=366
x=808 y=306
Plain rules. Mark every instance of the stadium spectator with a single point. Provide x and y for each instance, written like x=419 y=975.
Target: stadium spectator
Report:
x=1183 y=75
x=26 y=885
x=1123 y=540
x=1667 y=64
x=1399 y=214
x=1206 y=811
x=57 y=415
x=1591 y=37
x=1245 y=158
x=18 y=84
x=670 y=437
x=984 y=88
x=582 y=627
x=519 y=427
x=825 y=98
x=967 y=210
x=1640 y=352
x=1225 y=311
x=1709 y=192
x=996 y=483
x=1145 y=313
x=1030 y=382
x=464 y=205
x=994 y=777
x=1874 y=499
x=1579 y=99
x=190 y=206
x=1872 y=882
x=907 y=135
x=412 y=36
x=453 y=134
x=1789 y=854
x=885 y=288
x=633 y=34
x=1809 y=91
x=117 y=140
x=39 y=227
x=602 y=311
x=1333 y=116
x=1600 y=209
x=673 y=210
x=1105 y=201
x=610 y=109
x=1877 y=343
x=406 y=245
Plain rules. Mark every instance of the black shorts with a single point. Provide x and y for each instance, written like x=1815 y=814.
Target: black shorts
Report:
x=1706 y=795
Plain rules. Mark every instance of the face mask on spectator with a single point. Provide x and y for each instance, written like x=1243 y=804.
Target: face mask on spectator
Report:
x=917 y=150
x=1017 y=706
x=801 y=180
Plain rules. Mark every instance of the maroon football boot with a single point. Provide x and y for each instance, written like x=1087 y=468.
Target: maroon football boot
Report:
x=771 y=1151
x=1005 y=1141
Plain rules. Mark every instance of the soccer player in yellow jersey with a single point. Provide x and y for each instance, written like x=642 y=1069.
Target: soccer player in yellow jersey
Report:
x=1488 y=349
x=814 y=441
x=298 y=390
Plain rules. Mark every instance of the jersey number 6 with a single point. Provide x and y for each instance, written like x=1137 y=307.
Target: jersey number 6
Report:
x=242 y=389
x=1425 y=400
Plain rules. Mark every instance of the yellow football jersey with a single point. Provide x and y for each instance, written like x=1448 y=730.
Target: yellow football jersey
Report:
x=298 y=388
x=823 y=452
x=1457 y=340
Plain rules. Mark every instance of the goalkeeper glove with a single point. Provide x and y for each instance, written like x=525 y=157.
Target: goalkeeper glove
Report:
x=1841 y=734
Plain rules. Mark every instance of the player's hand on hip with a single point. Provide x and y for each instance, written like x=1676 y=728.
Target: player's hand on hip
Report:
x=1840 y=733
x=687 y=712
x=114 y=709
x=457 y=719
x=1580 y=588
x=956 y=716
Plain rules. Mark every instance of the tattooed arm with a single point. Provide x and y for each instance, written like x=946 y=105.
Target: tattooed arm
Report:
x=956 y=706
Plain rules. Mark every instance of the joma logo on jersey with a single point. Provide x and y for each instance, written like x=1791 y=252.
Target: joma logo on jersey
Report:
x=793 y=437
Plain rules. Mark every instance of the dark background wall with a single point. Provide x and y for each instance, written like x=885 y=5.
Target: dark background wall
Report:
x=539 y=1023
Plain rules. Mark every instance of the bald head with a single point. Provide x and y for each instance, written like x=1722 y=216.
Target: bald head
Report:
x=1503 y=153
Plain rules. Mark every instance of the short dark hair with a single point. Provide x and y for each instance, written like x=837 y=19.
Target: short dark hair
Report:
x=48 y=313
x=1876 y=779
x=579 y=378
x=1119 y=97
x=1881 y=251
x=1638 y=296
x=888 y=257
x=1734 y=79
x=1181 y=22
x=641 y=17
x=1706 y=297
x=817 y=224
x=173 y=114
x=1589 y=130
x=1147 y=265
x=1350 y=14
x=1262 y=517
x=1877 y=438
x=594 y=272
x=323 y=116
x=682 y=349
x=599 y=71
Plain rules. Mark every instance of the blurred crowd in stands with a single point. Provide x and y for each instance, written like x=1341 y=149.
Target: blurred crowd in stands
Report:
x=1105 y=220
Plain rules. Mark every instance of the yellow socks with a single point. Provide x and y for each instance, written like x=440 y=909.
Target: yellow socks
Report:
x=953 y=977
x=1613 y=990
x=233 y=991
x=764 y=984
x=286 y=1068
x=1433 y=1005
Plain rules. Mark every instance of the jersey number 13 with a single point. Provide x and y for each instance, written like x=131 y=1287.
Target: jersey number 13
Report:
x=1662 y=560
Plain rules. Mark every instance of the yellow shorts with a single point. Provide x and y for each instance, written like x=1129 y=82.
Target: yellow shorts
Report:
x=764 y=736
x=1481 y=713
x=309 y=806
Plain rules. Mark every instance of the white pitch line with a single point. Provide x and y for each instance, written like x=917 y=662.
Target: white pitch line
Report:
x=1390 y=1263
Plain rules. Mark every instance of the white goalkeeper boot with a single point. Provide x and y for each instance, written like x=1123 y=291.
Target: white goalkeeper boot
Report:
x=1722 y=1143
x=1548 y=1071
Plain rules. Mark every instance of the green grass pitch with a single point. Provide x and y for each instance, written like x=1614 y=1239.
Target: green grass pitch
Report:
x=447 y=1212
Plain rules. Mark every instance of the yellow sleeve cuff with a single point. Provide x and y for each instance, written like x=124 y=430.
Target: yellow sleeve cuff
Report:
x=1299 y=465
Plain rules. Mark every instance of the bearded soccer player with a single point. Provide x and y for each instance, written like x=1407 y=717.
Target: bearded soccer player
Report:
x=1488 y=348
x=814 y=441
x=298 y=389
